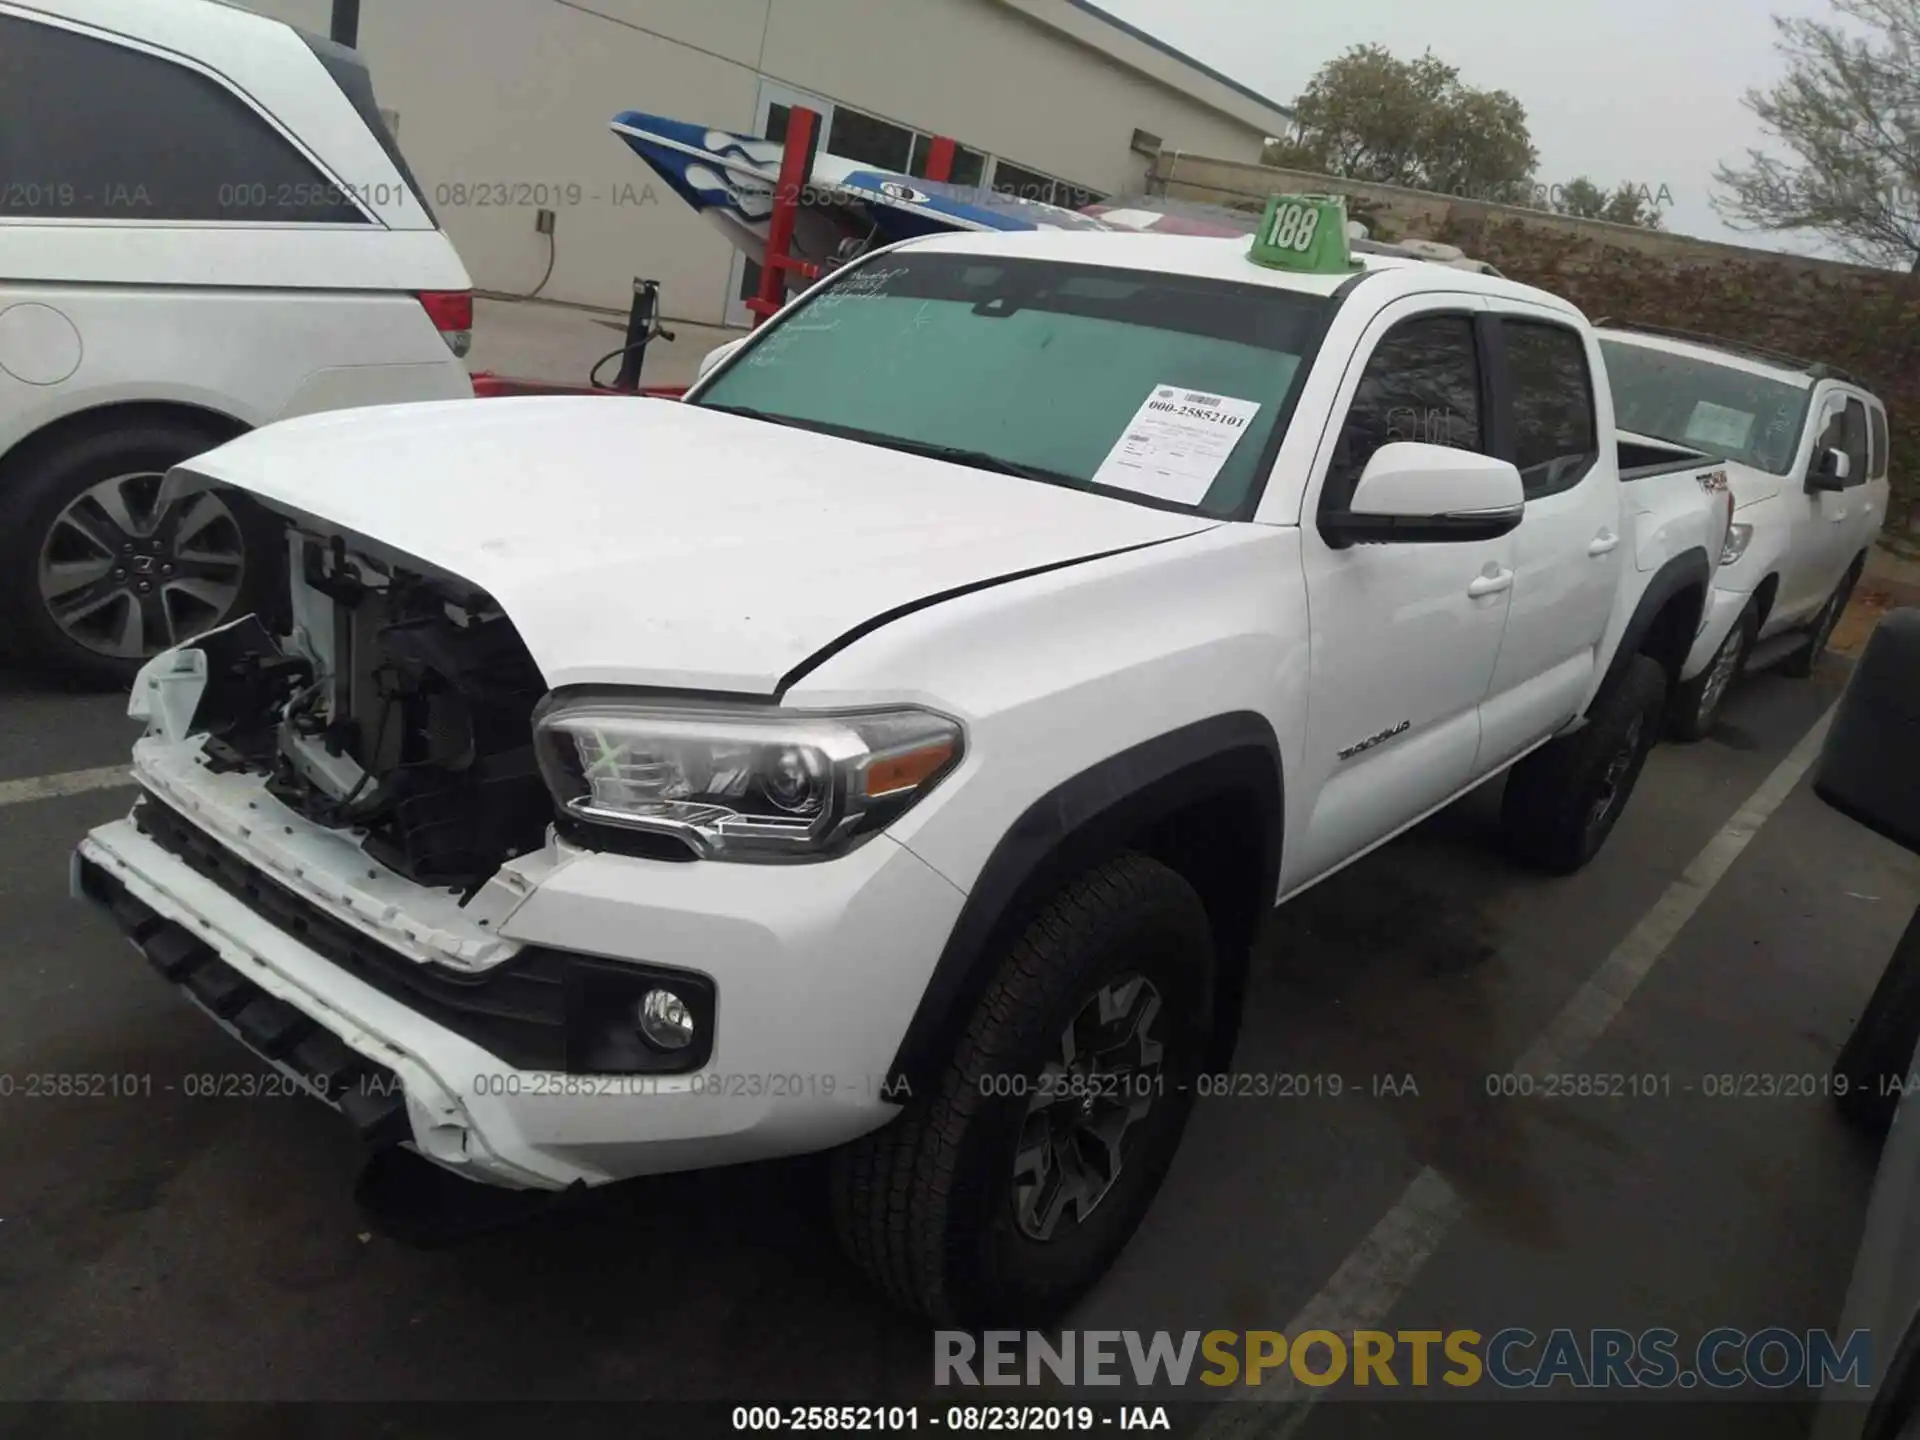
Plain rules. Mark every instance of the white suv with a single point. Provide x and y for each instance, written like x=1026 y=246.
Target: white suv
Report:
x=1806 y=450
x=204 y=226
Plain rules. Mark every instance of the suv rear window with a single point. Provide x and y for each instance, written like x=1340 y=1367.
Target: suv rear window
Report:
x=1722 y=409
x=94 y=130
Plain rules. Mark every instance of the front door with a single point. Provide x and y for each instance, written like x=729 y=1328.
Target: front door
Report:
x=769 y=120
x=1403 y=635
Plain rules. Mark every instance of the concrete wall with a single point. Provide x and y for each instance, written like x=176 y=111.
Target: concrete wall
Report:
x=519 y=92
x=1864 y=320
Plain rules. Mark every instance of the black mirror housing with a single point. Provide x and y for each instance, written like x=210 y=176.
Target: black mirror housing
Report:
x=1870 y=767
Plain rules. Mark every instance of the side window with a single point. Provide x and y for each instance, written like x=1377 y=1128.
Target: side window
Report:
x=1421 y=383
x=94 y=130
x=1877 y=424
x=1855 y=441
x=1555 y=439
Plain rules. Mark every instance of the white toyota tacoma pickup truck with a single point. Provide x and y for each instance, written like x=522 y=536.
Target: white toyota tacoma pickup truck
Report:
x=893 y=749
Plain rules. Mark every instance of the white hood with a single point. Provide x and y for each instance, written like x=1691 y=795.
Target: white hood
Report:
x=644 y=542
x=1751 y=485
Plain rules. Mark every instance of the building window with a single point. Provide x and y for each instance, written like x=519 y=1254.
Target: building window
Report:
x=1025 y=184
x=869 y=140
x=969 y=166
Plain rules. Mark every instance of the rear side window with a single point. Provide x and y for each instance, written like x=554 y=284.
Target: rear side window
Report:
x=93 y=130
x=1555 y=439
x=1422 y=383
x=1877 y=422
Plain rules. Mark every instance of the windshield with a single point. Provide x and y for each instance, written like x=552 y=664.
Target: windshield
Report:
x=1720 y=409
x=1166 y=389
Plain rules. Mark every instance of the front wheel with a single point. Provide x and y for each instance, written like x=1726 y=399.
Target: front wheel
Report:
x=1003 y=1195
x=1562 y=800
x=1696 y=702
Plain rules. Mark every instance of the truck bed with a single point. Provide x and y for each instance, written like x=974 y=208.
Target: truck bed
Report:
x=1641 y=457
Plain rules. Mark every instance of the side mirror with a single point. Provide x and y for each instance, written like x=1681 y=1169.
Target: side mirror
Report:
x=715 y=356
x=1418 y=493
x=1832 y=469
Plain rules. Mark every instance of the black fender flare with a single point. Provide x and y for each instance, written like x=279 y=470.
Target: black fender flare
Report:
x=1074 y=825
x=1690 y=568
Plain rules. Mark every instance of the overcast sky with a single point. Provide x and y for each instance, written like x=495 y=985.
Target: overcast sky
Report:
x=1641 y=90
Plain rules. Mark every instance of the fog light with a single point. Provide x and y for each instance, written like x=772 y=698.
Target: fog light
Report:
x=665 y=1021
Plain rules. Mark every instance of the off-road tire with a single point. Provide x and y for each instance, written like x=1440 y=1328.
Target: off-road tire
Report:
x=925 y=1206
x=36 y=486
x=1548 y=817
x=1695 y=705
x=1799 y=665
x=1881 y=1047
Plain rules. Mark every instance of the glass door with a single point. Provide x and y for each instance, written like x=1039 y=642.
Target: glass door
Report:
x=770 y=121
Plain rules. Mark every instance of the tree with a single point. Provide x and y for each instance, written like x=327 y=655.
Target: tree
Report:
x=1626 y=204
x=1369 y=116
x=1848 y=113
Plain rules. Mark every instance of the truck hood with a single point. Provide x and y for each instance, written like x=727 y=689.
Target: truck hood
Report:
x=645 y=542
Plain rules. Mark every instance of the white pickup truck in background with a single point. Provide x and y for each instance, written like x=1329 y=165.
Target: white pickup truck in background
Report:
x=893 y=749
x=1805 y=448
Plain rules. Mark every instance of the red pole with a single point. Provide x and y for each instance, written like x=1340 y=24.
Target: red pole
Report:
x=940 y=159
x=796 y=174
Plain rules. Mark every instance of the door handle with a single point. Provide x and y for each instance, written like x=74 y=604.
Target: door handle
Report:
x=1603 y=543
x=1491 y=584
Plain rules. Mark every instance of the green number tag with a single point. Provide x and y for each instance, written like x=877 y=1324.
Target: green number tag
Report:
x=1304 y=232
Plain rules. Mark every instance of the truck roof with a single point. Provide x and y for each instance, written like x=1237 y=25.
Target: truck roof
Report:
x=1787 y=369
x=1225 y=258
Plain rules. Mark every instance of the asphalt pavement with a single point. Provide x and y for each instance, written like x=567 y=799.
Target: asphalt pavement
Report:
x=164 y=1245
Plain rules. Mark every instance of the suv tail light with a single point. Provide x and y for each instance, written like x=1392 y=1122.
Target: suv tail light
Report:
x=452 y=314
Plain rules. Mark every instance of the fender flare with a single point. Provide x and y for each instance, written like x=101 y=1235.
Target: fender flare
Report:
x=1075 y=825
x=1689 y=568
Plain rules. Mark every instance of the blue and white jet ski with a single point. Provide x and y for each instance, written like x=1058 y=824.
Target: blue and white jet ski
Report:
x=847 y=205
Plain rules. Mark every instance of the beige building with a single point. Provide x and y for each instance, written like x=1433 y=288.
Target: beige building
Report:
x=508 y=101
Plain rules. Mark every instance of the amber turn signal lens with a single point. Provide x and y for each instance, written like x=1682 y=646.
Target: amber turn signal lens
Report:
x=894 y=773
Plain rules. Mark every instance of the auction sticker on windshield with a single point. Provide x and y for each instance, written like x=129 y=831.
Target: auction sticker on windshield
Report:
x=1176 y=443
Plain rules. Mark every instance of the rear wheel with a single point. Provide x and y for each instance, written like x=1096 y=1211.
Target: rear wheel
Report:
x=1562 y=801
x=1003 y=1195
x=99 y=573
x=1801 y=662
x=1696 y=702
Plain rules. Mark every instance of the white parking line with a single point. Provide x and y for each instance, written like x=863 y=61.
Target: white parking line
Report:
x=1382 y=1268
x=73 y=782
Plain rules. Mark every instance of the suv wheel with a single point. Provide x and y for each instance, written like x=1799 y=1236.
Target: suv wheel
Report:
x=1003 y=1195
x=1696 y=702
x=1562 y=800
x=99 y=574
x=1801 y=662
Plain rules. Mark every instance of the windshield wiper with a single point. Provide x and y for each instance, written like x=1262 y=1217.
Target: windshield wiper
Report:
x=978 y=459
x=955 y=454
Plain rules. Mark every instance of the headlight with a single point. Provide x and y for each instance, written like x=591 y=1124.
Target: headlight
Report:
x=740 y=782
x=1738 y=538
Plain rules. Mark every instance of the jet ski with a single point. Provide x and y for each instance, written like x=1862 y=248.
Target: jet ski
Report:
x=847 y=206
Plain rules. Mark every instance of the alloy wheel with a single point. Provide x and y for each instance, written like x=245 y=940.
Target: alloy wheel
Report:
x=126 y=575
x=1613 y=779
x=1725 y=666
x=1105 y=1078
